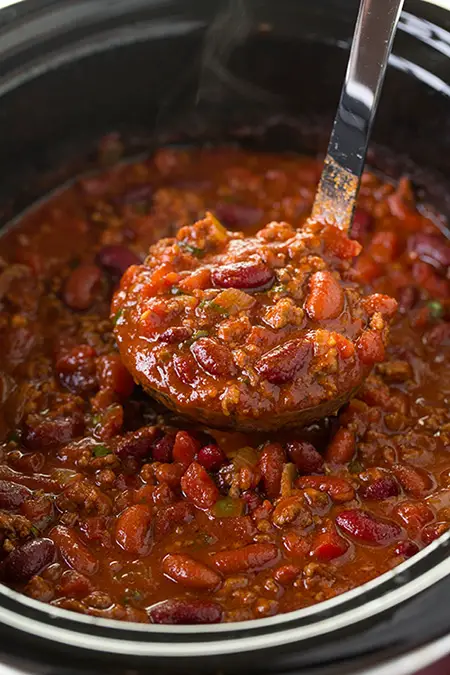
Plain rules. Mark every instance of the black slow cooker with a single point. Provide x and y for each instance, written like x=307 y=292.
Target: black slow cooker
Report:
x=268 y=74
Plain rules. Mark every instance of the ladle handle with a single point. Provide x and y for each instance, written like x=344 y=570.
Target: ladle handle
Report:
x=372 y=43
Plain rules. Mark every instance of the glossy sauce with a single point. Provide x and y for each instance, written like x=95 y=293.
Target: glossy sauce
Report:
x=109 y=504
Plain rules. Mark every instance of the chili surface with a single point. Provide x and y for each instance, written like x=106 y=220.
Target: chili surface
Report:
x=112 y=506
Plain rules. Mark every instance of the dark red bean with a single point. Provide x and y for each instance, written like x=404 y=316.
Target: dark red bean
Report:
x=162 y=449
x=137 y=444
x=49 y=433
x=81 y=287
x=433 y=531
x=243 y=275
x=76 y=369
x=271 y=463
x=175 y=334
x=237 y=215
x=252 y=499
x=381 y=488
x=366 y=528
x=214 y=358
x=407 y=549
x=281 y=364
x=12 y=495
x=28 y=559
x=430 y=249
x=305 y=457
x=211 y=457
x=185 y=612
x=407 y=298
x=199 y=487
x=117 y=259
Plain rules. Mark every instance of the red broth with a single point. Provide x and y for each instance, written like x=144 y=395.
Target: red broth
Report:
x=112 y=506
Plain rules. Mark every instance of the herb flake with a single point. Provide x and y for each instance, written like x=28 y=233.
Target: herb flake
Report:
x=101 y=451
x=436 y=309
x=196 y=336
x=117 y=316
x=193 y=250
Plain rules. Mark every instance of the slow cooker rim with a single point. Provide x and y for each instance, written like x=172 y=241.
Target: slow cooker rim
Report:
x=53 y=614
x=92 y=633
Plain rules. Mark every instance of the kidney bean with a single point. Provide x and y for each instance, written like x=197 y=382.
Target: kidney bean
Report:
x=169 y=517
x=281 y=364
x=286 y=574
x=305 y=457
x=325 y=299
x=176 y=334
x=43 y=434
x=81 y=287
x=433 y=531
x=133 y=532
x=185 y=367
x=211 y=457
x=415 y=514
x=162 y=448
x=117 y=259
x=413 y=480
x=74 y=552
x=185 y=448
x=339 y=489
x=271 y=463
x=407 y=298
x=237 y=215
x=185 y=612
x=381 y=488
x=243 y=275
x=112 y=374
x=12 y=495
x=27 y=560
x=407 y=549
x=383 y=304
x=198 y=487
x=364 y=527
x=430 y=249
x=327 y=546
x=137 y=444
x=371 y=347
x=252 y=499
x=214 y=358
x=342 y=447
x=362 y=225
x=76 y=369
x=439 y=335
x=190 y=573
x=253 y=557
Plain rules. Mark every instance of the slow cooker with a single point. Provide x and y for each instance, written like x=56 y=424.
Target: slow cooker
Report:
x=267 y=74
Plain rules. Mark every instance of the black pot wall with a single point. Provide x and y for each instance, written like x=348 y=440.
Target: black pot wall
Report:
x=197 y=69
x=267 y=74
